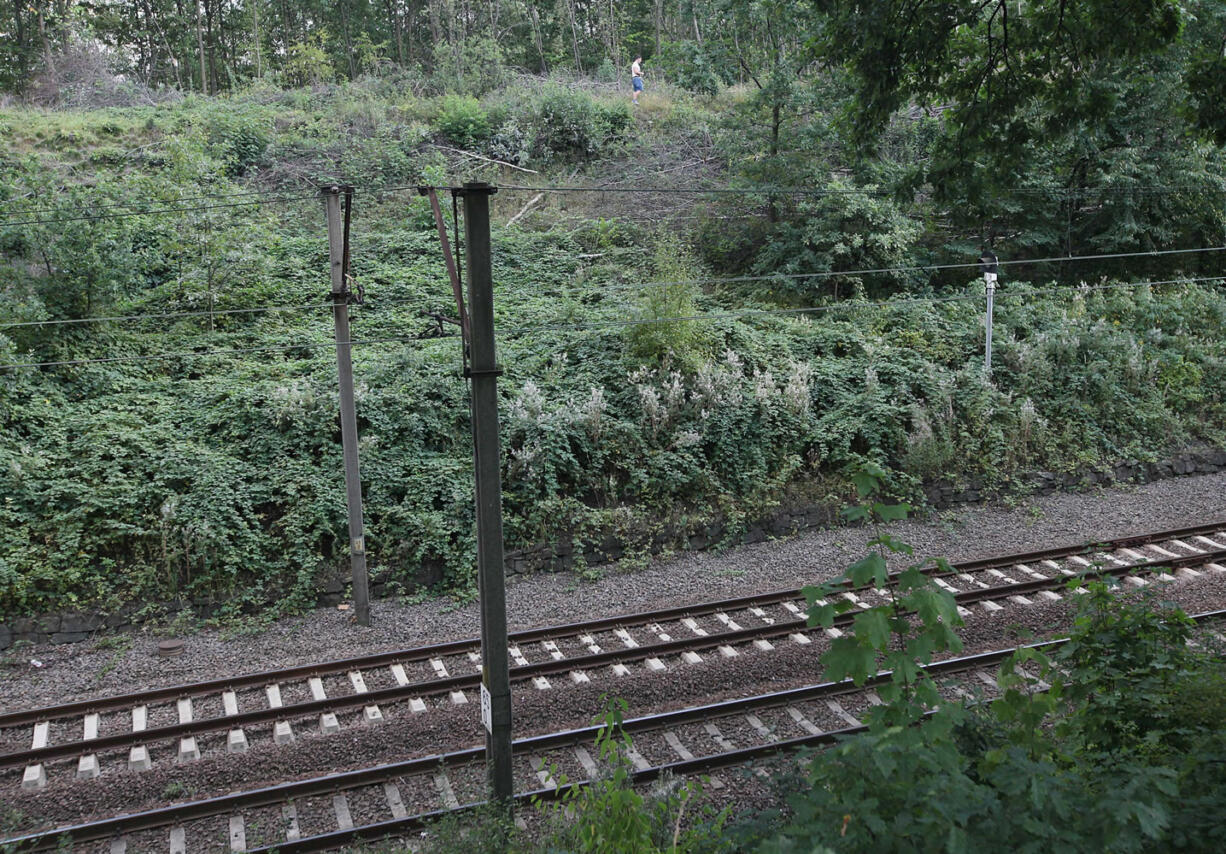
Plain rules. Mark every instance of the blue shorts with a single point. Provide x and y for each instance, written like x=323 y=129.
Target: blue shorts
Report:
x=638 y=84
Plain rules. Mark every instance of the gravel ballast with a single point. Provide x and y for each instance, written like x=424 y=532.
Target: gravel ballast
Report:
x=47 y=674
x=129 y=662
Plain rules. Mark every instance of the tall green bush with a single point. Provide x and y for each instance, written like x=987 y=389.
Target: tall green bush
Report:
x=571 y=125
x=667 y=327
x=462 y=120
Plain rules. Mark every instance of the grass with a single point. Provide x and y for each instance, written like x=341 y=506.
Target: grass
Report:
x=122 y=644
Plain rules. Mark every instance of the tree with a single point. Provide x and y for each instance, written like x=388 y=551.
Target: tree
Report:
x=1065 y=126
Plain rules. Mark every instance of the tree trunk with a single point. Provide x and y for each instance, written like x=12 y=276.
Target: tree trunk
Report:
x=348 y=36
x=574 y=34
x=393 y=22
x=287 y=24
x=614 y=52
x=156 y=24
x=19 y=26
x=536 y=37
x=42 y=34
x=214 y=79
x=436 y=27
x=772 y=206
x=659 y=21
x=61 y=15
x=204 y=80
x=255 y=25
x=495 y=12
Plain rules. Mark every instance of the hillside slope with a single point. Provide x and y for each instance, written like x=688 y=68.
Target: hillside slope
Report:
x=168 y=395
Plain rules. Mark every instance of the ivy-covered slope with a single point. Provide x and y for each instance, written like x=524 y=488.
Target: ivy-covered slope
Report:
x=166 y=473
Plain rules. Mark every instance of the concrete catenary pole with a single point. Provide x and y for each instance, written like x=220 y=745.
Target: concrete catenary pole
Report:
x=338 y=251
x=491 y=578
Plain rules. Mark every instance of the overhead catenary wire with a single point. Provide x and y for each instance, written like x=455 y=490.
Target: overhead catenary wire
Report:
x=777 y=191
x=259 y=197
x=598 y=324
x=826 y=274
x=154 y=211
x=377 y=303
x=845 y=305
x=176 y=200
x=370 y=304
x=823 y=191
x=266 y=195
x=236 y=351
x=168 y=315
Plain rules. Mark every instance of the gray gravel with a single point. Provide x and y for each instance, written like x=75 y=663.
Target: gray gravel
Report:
x=125 y=663
x=446 y=727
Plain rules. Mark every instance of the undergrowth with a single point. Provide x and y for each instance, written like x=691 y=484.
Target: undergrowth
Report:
x=215 y=480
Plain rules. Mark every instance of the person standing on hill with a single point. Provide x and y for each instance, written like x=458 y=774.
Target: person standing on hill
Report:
x=636 y=78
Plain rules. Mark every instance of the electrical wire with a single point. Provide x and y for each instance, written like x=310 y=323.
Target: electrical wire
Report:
x=802 y=191
x=847 y=305
x=153 y=211
x=178 y=200
x=195 y=354
x=369 y=305
x=170 y=315
x=914 y=269
x=259 y=197
x=840 y=306
x=376 y=304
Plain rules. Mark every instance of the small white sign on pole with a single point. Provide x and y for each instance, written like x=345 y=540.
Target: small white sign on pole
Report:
x=487 y=715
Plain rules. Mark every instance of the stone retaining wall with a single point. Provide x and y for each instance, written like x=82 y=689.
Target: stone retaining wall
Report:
x=72 y=627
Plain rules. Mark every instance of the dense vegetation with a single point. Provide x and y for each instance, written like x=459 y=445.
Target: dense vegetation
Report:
x=171 y=430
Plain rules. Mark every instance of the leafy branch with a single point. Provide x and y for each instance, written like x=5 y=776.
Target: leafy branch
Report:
x=917 y=621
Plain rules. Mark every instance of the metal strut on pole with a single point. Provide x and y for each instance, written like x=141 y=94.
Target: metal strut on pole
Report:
x=338 y=252
x=491 y=578
x=452 y=272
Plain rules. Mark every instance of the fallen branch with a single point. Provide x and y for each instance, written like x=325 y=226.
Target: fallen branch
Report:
x=525 y=208
x=486 y=159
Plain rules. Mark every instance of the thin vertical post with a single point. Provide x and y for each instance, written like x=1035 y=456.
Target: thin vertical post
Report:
x=989 y=283
x=491 y=578
x=338 y=252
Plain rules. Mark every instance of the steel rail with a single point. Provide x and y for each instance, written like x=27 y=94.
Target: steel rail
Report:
x=268 y=677
x=283 y=792
x=552 y=667
x=279 y=793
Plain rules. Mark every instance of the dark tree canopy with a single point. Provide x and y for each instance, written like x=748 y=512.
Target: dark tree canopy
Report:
x=994 y=61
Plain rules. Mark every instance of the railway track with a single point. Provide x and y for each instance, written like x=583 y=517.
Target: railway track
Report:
x=177 y=722
x=399 y=798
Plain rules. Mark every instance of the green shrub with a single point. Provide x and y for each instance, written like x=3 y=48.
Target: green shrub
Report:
x=691 y=67
x=847 y=229
x=307 y=63
x=463 y=121
x=241 y=137
x=667 y=309
x=570 y=125
x=472 y=66
x=512 y=142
